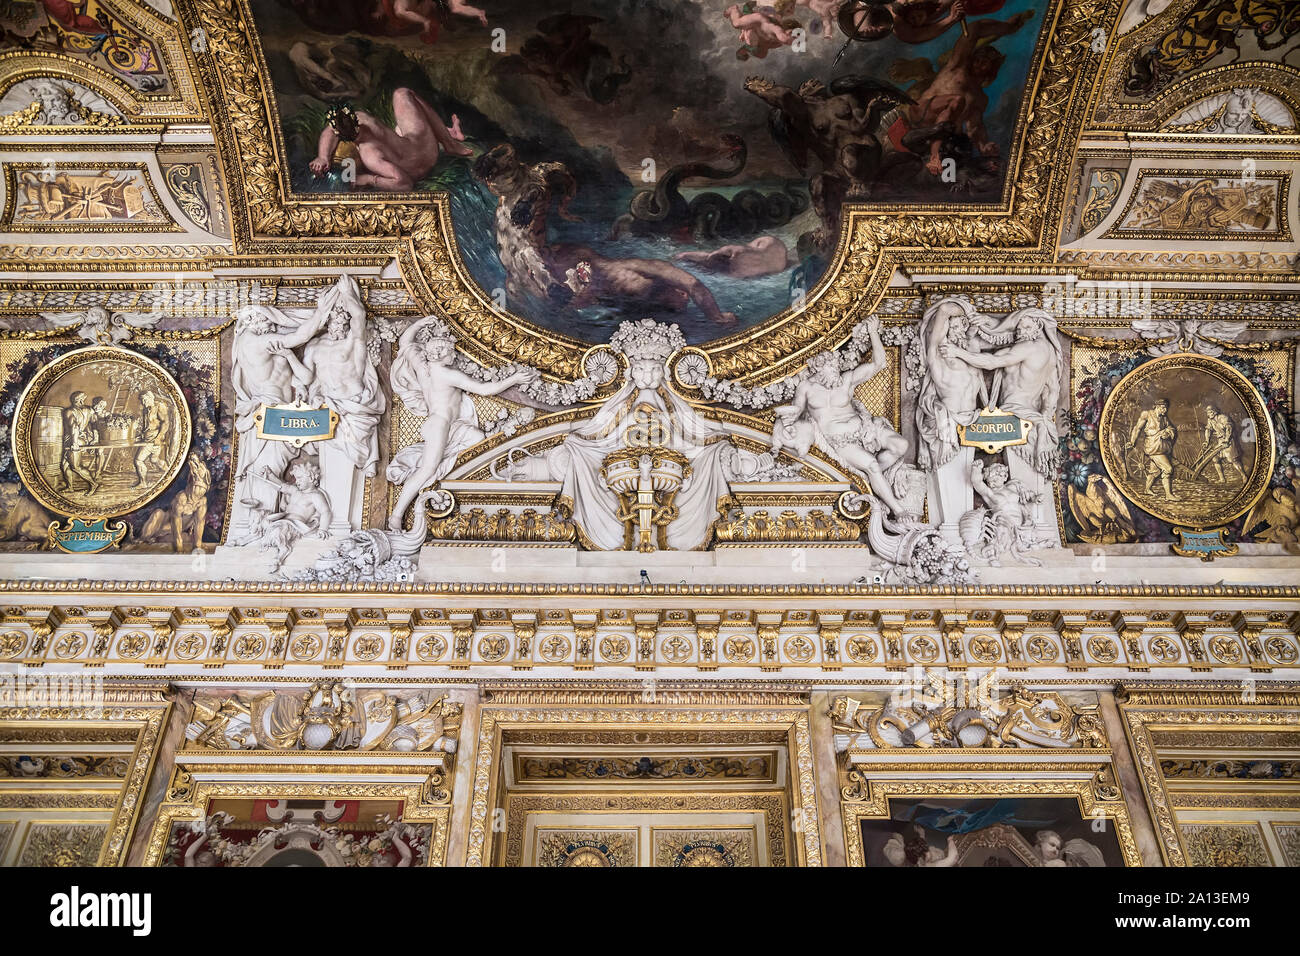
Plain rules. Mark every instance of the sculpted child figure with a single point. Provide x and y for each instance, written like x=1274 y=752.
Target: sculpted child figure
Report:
x=306 y=511
x=424 y=379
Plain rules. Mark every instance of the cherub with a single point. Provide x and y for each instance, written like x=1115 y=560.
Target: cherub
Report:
x=759 y=30
x=1006 y=527
x=305 y=504
x=306 y=512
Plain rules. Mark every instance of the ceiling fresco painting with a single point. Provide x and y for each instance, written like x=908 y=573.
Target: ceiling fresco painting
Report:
x=688 y=161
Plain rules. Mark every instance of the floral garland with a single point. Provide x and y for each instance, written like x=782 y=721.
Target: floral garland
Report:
x=600 y=368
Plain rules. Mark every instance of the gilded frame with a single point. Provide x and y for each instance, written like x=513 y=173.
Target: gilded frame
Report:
x=187 y=803
x=1218 y=708
x=21 y=434
x=494 y=720
x=1280 y=233
x=869 y=798
x=269 y=220
x=12 y=169
x=1261 y=474
x=143 y=709
x=773 y=806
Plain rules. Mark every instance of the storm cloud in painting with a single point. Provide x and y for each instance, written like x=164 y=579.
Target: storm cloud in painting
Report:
x=687 y=161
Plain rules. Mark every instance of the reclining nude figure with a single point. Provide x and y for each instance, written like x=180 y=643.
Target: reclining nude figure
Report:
x=423 y=378
x=825 y=412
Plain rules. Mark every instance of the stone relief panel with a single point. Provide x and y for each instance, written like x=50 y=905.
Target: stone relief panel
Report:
x=78 y=197
x=62 y=844
x=1288 y=838
x=1163 y=204
x=102 y=438
x=674 y=848
x=586 y=848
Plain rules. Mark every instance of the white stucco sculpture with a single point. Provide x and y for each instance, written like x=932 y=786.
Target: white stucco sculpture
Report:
x=825 y=412
x=423 y=378
x=644 y=396
x=263 y=370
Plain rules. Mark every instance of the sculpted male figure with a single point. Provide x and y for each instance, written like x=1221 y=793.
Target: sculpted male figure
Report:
x=1030 y=379
x=953 y=388
x=423 y=378
x=825 y=410
x=340 y=374
x=154 y=434
x=78 y=432
x=1158 y=435
x=264 y=370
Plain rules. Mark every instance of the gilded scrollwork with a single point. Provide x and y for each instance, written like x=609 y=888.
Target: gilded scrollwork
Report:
x=429 y=258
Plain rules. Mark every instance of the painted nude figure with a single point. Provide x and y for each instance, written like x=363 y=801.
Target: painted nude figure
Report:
x=423 y=377
x=424 y=13
x=760 y=257
x=1158 y=445
x=825 y=411
x=955 y=98
x=567 y=273
x=759 y=31
x=388 y=158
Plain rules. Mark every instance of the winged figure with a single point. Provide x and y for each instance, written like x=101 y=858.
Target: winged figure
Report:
x=1102 y=512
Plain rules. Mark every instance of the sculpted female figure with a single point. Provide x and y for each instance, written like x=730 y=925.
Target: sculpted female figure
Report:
x=423 y=378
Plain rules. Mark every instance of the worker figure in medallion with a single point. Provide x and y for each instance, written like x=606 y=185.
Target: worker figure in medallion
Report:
x=1220 y=446
x=1159 y=435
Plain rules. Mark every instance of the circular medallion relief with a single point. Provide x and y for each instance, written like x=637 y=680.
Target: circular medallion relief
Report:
x=100 y=432
x=1188 y=439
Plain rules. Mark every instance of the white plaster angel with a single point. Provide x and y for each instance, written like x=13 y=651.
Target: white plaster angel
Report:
x=423 y=378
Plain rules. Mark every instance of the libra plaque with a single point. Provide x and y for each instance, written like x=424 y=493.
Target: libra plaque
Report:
x=100 y=432
x=1188 y=439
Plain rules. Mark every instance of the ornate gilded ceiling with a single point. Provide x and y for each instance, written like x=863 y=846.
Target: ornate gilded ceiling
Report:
x=753 y=186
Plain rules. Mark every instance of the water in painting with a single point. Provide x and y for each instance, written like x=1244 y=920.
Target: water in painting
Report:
x=683 y=160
